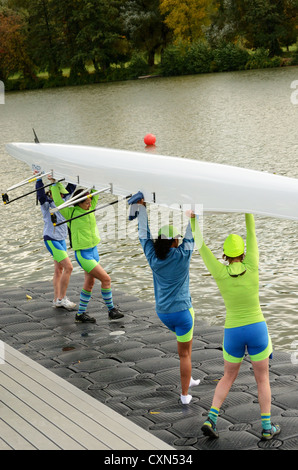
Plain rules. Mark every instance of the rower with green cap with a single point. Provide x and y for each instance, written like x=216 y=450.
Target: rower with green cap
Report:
x=233 y=246
x=245 y=325
x=169 y=232
x=169 y=261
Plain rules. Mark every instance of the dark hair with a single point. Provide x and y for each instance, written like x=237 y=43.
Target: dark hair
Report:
x=162 y=247
x=229 y=259
x=76 y=193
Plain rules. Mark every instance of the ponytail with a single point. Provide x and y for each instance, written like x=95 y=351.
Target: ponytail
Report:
x=162 y=247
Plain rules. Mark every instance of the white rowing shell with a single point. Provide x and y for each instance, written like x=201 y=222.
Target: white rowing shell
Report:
x=168 y=181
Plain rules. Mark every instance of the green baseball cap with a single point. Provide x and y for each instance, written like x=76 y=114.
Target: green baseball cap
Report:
x=169 y=232
x=233 y=246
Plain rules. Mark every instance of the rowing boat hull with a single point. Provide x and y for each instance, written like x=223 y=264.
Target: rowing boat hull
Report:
x=169 y=181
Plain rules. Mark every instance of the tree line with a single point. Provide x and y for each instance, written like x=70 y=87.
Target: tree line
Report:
x=121 y=38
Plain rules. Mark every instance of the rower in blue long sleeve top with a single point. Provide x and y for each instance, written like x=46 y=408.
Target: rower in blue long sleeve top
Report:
x=171 y=275
x=170 y=264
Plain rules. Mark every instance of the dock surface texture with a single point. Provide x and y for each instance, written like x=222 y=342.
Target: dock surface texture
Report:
x=116 y=384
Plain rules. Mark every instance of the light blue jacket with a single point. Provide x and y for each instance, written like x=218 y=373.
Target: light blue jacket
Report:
x=51 y=232
x=171 y=275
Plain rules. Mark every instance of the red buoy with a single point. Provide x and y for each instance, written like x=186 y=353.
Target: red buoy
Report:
x=149 y=139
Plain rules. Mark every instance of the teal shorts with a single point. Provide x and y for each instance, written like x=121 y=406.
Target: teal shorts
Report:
x=57 y=248
x=254 y=337
x=181 y=323
x=87 y=259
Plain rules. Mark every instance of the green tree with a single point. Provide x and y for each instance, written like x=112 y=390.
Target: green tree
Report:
x=72 y=33
x=265 y=24
x=289 y=33
x=68 y=24
x=100 y=38
x=144 y=27
x=257 y=24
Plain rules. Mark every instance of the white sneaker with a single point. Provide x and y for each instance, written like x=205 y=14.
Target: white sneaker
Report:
x=65 y=303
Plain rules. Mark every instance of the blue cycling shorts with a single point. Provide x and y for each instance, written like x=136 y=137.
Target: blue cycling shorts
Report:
x=181 y=323
x=254 y=337
x=88 y=259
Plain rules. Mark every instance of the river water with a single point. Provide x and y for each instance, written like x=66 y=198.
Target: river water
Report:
x=244 y=119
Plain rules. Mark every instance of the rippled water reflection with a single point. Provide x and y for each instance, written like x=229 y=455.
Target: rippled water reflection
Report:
x=244 y=119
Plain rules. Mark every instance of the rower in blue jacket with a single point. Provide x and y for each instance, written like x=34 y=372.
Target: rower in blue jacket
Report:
x=55 y=242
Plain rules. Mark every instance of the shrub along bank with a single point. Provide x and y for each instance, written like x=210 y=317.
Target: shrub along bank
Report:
x=185 y=59
x=178 y=59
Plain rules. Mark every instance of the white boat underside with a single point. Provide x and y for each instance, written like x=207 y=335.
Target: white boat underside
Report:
x=170 y=181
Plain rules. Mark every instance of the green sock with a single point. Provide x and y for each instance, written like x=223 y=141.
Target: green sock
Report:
x=266 y=421
x=213 y=414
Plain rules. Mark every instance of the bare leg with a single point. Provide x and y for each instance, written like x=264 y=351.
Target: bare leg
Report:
x=99 y=273
x=58 y=270
x=261 y=371
x=64 y=280
x=184 y=351
x=223 y=387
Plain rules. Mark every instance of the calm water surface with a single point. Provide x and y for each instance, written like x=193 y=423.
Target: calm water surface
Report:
x=244 y=119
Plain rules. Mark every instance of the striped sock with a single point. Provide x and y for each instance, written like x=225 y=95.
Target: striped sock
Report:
x=266 y=421
x=107 y=297
x=213 y=414
x=84 y=300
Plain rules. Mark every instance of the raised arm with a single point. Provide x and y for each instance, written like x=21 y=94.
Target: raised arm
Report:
x=41 y=194
x=58 y=200
x=94 y=200
x=252 y=251
x=215 y=267
x=145 y=236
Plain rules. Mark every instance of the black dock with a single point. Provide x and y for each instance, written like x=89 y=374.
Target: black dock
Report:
x=131 y=366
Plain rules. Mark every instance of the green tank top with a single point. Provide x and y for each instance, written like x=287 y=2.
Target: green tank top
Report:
x=238 y=283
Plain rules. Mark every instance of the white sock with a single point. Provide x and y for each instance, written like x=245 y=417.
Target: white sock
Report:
x=185 y=399
x=193 y=382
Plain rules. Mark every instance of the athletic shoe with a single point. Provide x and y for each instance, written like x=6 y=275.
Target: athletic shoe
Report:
x=84 y=318
x=115 y=313
x=209 y=429
x=65 y=303
x=269 y=434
